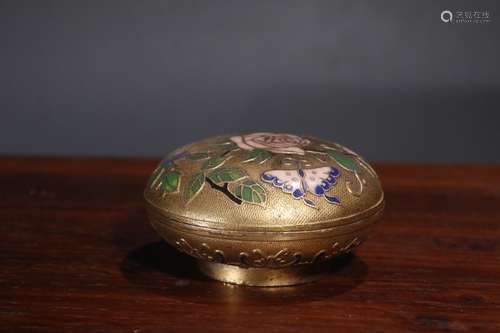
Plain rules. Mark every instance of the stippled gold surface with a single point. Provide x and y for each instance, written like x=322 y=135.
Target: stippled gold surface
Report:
x=271 y=228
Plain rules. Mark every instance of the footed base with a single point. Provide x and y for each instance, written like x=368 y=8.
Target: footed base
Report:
x=262 y=277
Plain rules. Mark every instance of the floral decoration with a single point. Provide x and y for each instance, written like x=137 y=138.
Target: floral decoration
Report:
x=278 y=143
x=297 y=176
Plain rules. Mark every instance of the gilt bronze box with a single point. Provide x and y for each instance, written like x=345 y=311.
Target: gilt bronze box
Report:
x=264 y=209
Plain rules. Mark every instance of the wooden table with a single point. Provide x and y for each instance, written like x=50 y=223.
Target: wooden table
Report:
x=78 y=255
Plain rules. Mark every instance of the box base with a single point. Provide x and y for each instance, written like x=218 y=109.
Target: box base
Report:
x=262 y=277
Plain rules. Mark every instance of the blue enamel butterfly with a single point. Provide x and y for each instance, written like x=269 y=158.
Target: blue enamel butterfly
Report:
x=298 y=182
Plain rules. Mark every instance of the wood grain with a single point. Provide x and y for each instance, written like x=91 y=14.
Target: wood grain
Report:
x=78 y=255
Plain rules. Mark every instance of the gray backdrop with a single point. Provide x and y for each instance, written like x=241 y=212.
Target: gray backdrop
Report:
x=388 y=79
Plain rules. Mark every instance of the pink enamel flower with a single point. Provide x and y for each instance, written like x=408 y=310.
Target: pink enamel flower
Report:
x=279 y=143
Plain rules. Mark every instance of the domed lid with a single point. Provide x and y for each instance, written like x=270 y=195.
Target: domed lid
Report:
x=264 y=182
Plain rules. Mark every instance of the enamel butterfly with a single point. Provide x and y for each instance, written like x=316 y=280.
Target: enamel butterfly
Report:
x=298 y=182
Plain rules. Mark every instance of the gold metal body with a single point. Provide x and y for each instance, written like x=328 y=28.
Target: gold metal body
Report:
x=264 y=209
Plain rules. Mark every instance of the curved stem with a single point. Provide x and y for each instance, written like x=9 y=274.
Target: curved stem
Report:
x=224 y=190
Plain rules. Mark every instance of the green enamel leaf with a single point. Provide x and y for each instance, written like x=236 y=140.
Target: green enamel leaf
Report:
x=226 y=175
x=170 y=181
x=258 y=155
x=251 y=192
x=253 y=154
x=265 y=155
x=213 y=163
x=198 y=156
x=345 y=161
x=154 y=175
x=195 y=185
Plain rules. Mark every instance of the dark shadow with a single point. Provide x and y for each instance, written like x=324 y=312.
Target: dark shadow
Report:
x=161 y=269
x=147 y=261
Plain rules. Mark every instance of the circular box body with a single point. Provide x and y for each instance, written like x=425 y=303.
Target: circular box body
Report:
x=264 y=209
